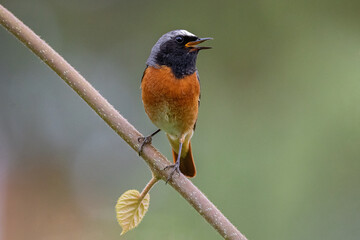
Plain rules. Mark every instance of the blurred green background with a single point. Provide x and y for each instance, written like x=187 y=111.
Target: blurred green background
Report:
x=277 y=143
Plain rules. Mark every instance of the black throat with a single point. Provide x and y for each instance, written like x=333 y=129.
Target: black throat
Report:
x=182 y=64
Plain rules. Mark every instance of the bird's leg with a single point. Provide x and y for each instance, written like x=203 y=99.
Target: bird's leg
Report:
x=146 y=140
x=175 y=167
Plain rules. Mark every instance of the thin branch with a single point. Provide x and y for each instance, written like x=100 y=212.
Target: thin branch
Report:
x=118 y=123
x=148 y=186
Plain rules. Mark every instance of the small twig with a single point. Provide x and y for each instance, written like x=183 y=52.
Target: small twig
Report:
x=148 y=186
x=118 y=123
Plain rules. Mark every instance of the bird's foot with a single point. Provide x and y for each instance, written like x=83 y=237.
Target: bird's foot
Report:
x=144 y=141
x=175 y=168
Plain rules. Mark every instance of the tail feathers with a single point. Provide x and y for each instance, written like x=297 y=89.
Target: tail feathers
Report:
x=187 y=165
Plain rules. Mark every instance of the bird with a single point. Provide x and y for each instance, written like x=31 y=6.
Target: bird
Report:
x=170 y=89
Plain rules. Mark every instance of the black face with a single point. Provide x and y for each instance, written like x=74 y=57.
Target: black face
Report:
x=174 y=54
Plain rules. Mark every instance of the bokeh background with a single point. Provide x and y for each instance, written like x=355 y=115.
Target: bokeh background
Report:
x=277 y=144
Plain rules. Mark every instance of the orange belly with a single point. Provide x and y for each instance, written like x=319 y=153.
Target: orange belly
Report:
x=170 y=103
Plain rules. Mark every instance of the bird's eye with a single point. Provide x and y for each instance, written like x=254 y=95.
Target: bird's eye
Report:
x=179 y=39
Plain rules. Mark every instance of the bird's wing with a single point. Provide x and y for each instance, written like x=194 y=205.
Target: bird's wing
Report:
x=198 y=78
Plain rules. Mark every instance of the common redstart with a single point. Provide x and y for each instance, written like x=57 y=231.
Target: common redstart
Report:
x=171 y=94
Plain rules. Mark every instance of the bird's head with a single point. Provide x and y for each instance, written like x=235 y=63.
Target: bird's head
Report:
x=177 y=49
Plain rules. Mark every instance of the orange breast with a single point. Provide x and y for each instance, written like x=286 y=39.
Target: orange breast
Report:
x=170 y=103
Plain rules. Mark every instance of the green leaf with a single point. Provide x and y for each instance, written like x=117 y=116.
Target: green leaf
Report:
x=130 y=209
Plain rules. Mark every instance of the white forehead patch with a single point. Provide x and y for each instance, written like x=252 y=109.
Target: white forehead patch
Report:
x=185 y=33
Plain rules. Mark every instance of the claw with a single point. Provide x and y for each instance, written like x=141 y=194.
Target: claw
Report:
x=176 y=168
x=144 y=140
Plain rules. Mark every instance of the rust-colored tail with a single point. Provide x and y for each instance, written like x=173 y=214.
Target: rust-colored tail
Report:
x=187 y=165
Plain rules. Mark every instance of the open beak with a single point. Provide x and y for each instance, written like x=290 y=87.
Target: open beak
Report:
x=194 y=44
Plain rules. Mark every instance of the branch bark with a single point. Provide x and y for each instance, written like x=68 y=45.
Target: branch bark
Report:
x=119 y=124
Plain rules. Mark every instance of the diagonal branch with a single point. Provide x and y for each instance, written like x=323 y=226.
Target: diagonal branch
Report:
x=118 y=123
